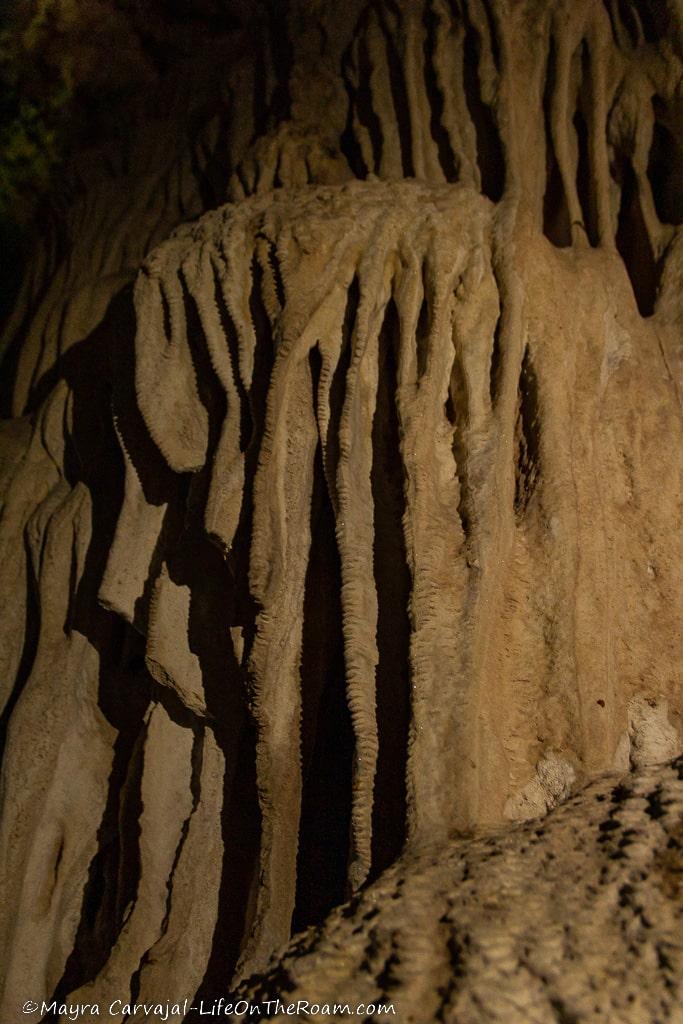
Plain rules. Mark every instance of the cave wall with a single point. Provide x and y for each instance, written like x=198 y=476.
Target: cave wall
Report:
x=342 y=485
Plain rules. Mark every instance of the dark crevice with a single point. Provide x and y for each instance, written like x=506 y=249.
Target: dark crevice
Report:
x=665 y=167
x=29 y=648
x=556 y=220
x=92 y=456
x=197 y=758
x=630 y=21
x=274 y=51
x=614 y=21
x=399 y=95
x=349 y=144
x=13 y=287
x=364 y=110
x=72 y=587
x=277 y=180
x=259 y=106
x=113 y=875
x=456 y=951
x=423 y=328
x=57 y=861
x=585 y=190
x=12 y=277
x=457 y=411
x=277 y=275
x=527 y=436
x=655 y=19
x=389 y=976
x=490 y=154
x=242 y=178
x=633 y=241
x=493 y=38
x=327 y=740
x=584 y=181
x=10 y=360
x=218 y=159
x=165 y=313
x=496 y=366
x=209 y=198
x=246 y=422
x=240 y=828
x=436 y=102
x=315 y=362
x=562 y=1014
x=282 y=60
x=392 y=580
x=238 y=558
x=338 y=390
x=210 y=393
x=217 y=603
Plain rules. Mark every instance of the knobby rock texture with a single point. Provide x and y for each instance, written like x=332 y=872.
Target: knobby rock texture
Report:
x=459 y=934
x=341 y=497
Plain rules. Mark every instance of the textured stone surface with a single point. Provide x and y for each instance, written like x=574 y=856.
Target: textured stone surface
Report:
x=354 y=521
x=459 y=933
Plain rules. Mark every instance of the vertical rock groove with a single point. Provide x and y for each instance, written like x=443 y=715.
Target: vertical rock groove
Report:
x=393 y=594
x=114 y=871
x=337 y=391
x=436 y=98
x=633 y=242
x=664 y=167
x=585 y=165
x=527 y=464
x=556 y=224
x=490 y=159
x=326 y=730
x=398 y=69
x=423 y=328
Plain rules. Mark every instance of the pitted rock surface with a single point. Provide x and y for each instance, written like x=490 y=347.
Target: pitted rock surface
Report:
x=577 y=917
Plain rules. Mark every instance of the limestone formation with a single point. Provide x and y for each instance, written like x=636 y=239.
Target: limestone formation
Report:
x=458 y=934
x=340 y=516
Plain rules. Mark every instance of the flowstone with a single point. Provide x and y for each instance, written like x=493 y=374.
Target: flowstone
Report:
x=340 y=530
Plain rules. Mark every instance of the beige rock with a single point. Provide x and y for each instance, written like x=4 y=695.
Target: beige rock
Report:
x=354 y=525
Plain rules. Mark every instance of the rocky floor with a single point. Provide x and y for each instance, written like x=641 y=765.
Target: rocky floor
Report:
x=576 y=917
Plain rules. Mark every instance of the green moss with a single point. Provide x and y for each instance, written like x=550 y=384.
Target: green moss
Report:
x=33 y=122
x=30 y=148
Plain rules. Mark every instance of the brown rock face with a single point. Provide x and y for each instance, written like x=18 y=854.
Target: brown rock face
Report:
x=353 y=522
